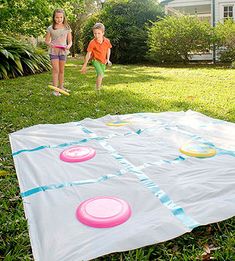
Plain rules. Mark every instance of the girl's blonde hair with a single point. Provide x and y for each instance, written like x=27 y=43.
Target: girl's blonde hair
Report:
x=99 y=26
x=64 y=20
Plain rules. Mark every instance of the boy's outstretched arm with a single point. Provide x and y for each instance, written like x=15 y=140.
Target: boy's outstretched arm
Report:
x=108 y=56
x=87 y=58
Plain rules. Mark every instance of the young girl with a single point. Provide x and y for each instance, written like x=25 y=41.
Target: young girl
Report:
x=59 y=40
x=98 y=51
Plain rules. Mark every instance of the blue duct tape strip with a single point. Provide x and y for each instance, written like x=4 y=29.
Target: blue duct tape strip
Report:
x=36 y=190
x=55 y=146
x=71 y=143
x=176 y=210
x=225 y=152
x=29 y=150
x=162 y=162
x=221 y=151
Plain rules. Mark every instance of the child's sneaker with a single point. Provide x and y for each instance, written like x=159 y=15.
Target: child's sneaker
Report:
x=56 y=93
x=67 y=90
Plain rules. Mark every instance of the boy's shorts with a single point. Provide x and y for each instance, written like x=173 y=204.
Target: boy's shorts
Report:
x=99 y=67
x=58 y=57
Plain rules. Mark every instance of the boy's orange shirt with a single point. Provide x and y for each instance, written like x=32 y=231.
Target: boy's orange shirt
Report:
x=99 y=50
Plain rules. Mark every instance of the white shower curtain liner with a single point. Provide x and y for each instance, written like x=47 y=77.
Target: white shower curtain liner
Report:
x=138 y=161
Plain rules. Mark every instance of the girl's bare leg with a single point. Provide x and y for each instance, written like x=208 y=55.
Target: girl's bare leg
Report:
x=61 y=74
x=55 y=71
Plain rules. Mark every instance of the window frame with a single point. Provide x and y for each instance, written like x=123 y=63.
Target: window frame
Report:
x=222 y=11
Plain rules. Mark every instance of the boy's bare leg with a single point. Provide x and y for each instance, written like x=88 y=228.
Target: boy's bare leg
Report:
x=99 y=82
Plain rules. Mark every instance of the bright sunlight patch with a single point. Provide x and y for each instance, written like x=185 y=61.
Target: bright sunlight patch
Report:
x=122 y=182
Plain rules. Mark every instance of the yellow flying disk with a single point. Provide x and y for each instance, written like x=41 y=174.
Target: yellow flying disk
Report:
x=198 y=150
x=117 y=123
x=58 y=90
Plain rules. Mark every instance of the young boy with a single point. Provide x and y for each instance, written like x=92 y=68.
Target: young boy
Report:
x=98 y=50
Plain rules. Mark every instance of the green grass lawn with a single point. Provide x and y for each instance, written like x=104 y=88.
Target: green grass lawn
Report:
x=27 y=101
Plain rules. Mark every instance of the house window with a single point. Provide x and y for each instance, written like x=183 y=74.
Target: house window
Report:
x=228 y=12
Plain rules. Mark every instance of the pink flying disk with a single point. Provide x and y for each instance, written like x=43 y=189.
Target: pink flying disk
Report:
x=103 y=212
x=59 y=46
x=77 y=154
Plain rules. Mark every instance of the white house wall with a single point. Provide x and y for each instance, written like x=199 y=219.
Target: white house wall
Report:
x=189 y=7
x=182 y=3
x=192 y=7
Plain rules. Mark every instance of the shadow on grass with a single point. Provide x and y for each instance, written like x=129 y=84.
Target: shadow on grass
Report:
x=117 y=75
x=34 y=103
x=193 y=65
x=124 y=102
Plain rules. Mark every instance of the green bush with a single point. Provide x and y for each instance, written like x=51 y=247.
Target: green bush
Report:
x=25 y=17
x=19 y=58
x=173 y=38
x=86 y=32
x=125 y=22
x=225 y=40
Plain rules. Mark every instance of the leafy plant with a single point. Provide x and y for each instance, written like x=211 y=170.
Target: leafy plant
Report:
x=173 y=39
x=125 y=22
x=225 y=40
x=29 y=17
x=19 y=58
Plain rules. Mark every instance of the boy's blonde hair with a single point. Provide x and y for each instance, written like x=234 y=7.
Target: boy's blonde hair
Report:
x=99 y=26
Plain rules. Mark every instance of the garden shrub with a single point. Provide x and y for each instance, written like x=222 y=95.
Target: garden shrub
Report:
x=173 y=39
x=20 y=58
x=125 y=22
x=225 y=40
